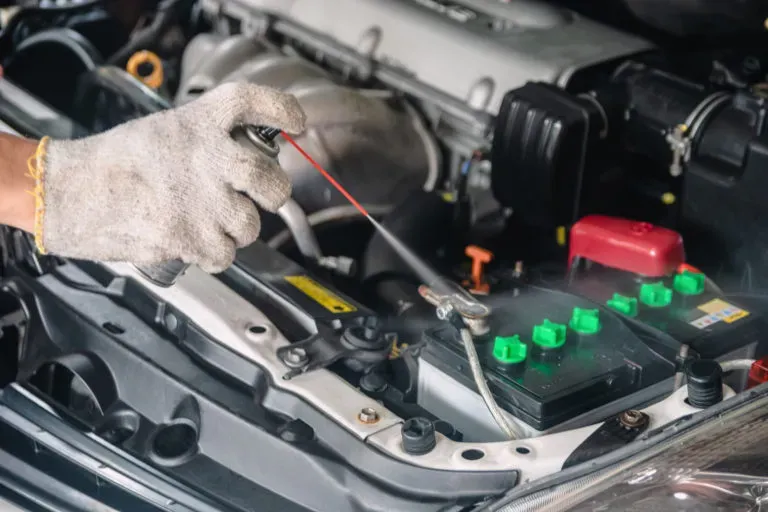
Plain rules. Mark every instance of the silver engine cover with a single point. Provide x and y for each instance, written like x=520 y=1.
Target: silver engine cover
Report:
x=471 y=50
x=373 y=142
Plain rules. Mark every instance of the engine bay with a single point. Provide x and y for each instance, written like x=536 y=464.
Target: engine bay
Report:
x=590 y=194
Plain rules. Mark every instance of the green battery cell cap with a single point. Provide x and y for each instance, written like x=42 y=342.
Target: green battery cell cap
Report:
x=623 y=304
x=585 y=321
x=655 y=295
x=509 y=349
x=549 y=335
x=689 y=283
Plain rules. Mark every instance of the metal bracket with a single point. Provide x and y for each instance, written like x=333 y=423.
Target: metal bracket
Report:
x=326 y=347
x=313 y=353
x=615 y=433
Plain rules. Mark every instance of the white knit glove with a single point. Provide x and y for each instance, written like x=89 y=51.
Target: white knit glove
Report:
x=173 y=185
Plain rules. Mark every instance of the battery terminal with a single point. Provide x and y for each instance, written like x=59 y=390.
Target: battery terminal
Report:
x=549 y=335
x=509 y=349
x=585 y=321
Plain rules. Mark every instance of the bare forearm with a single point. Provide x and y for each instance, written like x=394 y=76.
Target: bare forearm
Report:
x=17 y=204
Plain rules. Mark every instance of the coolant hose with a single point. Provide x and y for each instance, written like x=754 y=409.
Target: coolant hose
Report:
x=341 y=213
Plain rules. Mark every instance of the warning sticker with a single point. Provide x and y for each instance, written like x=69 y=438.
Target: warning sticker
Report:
x=717 y=310
x=320 y=294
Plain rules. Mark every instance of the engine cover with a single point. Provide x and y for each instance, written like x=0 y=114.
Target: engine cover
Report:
x=374 y=143
x=472 y=50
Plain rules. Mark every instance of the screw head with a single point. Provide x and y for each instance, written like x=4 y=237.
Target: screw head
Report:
x=368 y=415
x=296 y=357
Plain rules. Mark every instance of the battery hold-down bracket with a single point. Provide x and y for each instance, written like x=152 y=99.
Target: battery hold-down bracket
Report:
x=360 y=345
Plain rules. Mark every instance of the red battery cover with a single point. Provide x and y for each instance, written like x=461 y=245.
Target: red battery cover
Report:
x=632 y=246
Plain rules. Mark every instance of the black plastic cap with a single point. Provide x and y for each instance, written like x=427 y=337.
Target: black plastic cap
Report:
x=705 y=383
x=418 y=436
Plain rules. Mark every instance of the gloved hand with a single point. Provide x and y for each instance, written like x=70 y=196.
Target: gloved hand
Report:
x=173 y=185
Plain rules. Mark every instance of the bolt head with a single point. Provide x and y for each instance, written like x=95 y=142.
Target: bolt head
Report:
x=633 y=419
x=368 y=415
x=296 y=357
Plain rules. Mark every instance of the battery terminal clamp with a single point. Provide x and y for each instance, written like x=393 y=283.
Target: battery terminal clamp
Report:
x=449 y=298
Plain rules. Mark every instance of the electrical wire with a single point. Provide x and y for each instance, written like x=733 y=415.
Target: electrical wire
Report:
x=680 y=374
x=511 y=430
x=431 y=148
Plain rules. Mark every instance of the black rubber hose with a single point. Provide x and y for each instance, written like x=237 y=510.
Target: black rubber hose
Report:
x=54 y=56
x=42 y=14
x=74 y=42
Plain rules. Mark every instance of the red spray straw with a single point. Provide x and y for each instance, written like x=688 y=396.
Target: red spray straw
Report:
x=423 y=270
x=326 y=174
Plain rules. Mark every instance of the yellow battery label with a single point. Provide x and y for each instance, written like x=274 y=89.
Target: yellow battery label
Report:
x=719 y=311
x=321 y=294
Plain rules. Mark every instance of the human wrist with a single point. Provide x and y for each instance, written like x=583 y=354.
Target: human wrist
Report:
x=17 y=185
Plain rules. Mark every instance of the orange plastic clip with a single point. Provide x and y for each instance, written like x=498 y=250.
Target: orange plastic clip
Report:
x=479 y=257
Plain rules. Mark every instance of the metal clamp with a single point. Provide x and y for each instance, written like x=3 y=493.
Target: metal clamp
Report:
x=681 y=138
x=680 y=144
x=455 y=298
